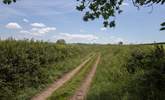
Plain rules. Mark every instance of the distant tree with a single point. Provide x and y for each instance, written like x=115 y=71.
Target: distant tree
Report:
x=120 y=43
x=61 y=41
x=107 y=9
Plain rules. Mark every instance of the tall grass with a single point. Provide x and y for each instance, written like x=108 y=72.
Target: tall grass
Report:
x=68 y=90
x=113 y=81
x=130 y=72
x=28 y=66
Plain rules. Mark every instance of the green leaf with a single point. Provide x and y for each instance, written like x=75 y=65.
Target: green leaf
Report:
x=163 y=24
x=163 y=28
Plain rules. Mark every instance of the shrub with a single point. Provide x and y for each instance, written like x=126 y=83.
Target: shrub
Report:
x=24 y=64
x=147 y=72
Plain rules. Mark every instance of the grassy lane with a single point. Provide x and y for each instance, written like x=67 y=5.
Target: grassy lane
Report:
x=111 y=77
x=60 y=82
x=54 y=72
x=70 y=87
x=26 y=67
x=82 y=91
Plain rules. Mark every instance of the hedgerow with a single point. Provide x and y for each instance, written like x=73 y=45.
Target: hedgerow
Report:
x=130 y=72
x=25 y=64
x=147 y=72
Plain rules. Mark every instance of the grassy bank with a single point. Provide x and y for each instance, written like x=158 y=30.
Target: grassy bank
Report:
x=129 y=73
x=70 y=87
x=26 y=66
x=125 y=72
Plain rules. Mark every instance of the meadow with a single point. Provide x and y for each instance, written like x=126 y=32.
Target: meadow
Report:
x=28 y=66
x=125 y=72
x=130 y=72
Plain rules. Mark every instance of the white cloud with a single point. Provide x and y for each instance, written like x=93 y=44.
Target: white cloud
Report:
x=24 y=32
x=38 y=25
x=42 y=31
x=13 y=25
x=25 y=20
x=78 y=36
x=103 y=29
x=125 y=4
x=38 y=31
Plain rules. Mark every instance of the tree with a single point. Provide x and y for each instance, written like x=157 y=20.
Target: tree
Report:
x=107 y=9
x=120 y=43
x=8 y=1
x=163 y=26
x=61 y=41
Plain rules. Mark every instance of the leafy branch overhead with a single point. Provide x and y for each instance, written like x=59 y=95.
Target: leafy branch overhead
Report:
x=107 y=9
x=8 y=1
x=163 y=26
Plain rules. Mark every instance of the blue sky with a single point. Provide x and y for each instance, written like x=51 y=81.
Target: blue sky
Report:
x=50 y=20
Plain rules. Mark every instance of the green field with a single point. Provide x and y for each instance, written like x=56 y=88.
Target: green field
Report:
x=114 y=81
x=125 y=72
x=70 y=87
x=26 y=67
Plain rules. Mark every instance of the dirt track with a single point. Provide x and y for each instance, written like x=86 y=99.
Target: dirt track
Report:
x=58 y=83
x=80 y=94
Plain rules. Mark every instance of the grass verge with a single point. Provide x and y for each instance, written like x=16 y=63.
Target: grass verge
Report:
x=55 y=71
x=70 y=87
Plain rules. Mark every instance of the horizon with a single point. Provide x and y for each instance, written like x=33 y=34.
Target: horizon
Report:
x=47 y=21
x=48 y=41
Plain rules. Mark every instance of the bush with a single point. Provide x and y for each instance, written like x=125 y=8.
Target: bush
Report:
x=24 y=64
x=147 y=72
x=61 y=41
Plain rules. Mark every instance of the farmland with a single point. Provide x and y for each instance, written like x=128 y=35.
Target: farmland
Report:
x=124 y=72
x=134 y=72
x=82 y=50
x=27 y=67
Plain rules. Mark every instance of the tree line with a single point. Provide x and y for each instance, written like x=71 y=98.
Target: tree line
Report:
x=26 y=64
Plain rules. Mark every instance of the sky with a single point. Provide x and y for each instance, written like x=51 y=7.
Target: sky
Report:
x=50 y=20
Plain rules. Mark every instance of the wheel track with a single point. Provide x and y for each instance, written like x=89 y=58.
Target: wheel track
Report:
x=81 y=92
x=58 y=83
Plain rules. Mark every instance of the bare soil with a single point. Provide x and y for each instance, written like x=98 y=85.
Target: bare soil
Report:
x=81 y=92
x=58 y=83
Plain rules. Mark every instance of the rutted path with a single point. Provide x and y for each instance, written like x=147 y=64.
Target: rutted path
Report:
x=80 y=94
x=58 y=83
